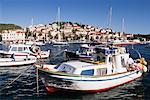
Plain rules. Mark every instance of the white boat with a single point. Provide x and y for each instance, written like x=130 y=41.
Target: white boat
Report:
x=35 y=42
x=22 y=50
x=110 y=68
x=12 y=62
x=85 y=51
x=60 y=43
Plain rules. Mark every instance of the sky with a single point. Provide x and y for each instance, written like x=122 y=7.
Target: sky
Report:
x=136 y=13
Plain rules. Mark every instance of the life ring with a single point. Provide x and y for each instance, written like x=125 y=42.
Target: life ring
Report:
x=36 y=49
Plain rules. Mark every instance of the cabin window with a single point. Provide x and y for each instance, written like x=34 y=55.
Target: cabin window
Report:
x=122 y=62
x=65 y=68
x=89 y=72
x=101 y=57
x=110 y=59
x=25 y=49
x=101 y=71
x=20 y=49
x=30 y=49
x=14 y=49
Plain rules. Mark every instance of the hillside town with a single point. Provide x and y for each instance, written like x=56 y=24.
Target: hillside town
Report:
x=64 y=31
x=74 y=49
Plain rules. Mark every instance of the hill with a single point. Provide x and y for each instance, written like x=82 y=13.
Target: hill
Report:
x=140 y=36
x=9 y=27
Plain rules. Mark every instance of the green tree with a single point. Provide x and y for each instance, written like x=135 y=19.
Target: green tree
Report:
x=56 y=36
x=50 y=35
x=27 y=33
x=40 y=34
x=0 y=38
x=87 y=37
x=74 y=31
x=91 y=39
x=9 y=27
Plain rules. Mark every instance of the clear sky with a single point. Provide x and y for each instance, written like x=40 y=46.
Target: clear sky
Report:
x=136 y=13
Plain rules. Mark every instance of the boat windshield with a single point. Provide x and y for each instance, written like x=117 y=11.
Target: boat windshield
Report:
x=83 y=50
x=4 y=47
x=65 y=68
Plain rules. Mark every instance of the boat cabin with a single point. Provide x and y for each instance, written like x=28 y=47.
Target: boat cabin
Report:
x=106 y=61
x=20 y=48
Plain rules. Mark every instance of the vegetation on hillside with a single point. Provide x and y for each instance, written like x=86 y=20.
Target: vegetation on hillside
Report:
x=141 y=36
x=8 y=27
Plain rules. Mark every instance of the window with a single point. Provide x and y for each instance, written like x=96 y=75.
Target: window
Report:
x=14 y=49
x=101 y=57
x=25 y=49
x=110 y=59
x=123 y=62
x=65 y=68
x=88 y=72
x=20 y=49
x=101 y=71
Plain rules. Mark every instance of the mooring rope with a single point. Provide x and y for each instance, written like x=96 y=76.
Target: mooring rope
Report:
x=57 y=54
x=15 y=79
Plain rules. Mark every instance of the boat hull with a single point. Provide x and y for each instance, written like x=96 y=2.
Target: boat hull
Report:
x=87 y=84
x=17 y=63
x=43 y=55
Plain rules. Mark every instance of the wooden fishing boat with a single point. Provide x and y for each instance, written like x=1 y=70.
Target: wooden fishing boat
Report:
x=110 y=67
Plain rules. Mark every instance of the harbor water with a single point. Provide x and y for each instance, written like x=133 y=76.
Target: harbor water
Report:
x=25 y=87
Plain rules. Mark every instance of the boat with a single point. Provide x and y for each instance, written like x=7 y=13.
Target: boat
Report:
x=110 y=68
x=23 y=50
x=85 y=51
x=121 y=42
x=13 y=62
x=59 y=43
x=34 y=42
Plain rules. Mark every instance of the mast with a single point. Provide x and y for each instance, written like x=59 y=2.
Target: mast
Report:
x=32 y=22
x=32 y=27
x=58 y=19
x=122 y=25
x=110 y=15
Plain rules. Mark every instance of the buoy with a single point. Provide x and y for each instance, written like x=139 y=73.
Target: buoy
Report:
x=45 y=68
x=51 y=89
x=145 y=68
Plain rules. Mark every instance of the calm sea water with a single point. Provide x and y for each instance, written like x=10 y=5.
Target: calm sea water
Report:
x=25 y=86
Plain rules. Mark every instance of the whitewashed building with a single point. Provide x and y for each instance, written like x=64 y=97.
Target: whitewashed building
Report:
x=13 y=35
